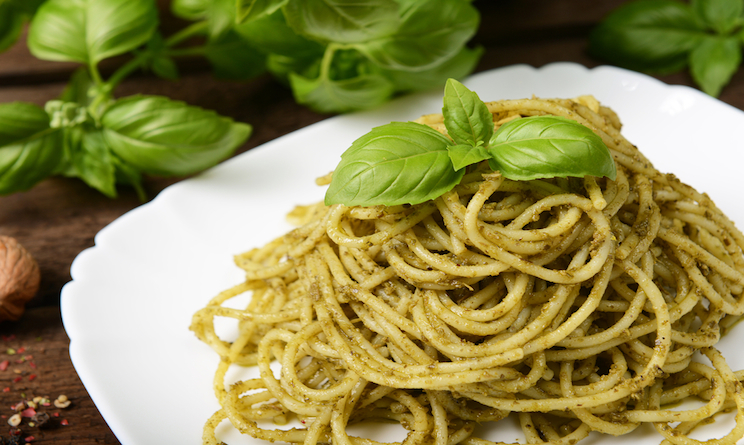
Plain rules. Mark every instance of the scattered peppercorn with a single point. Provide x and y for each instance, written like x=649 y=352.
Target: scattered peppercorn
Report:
x=62 y=401
x=15 y=420
x=14 y=431
x=41 y=419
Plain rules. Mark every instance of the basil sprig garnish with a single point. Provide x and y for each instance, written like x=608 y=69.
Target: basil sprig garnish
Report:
x=409 y=163
x=665 y=36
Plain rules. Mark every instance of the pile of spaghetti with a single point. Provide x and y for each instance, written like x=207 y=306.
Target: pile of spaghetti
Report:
x=576 y=305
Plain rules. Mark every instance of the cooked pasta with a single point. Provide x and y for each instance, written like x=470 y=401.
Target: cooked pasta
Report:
x=575 y=305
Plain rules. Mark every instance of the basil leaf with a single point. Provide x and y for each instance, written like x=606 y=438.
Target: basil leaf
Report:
x=219 y=14
x=647 y=35
x=21 y=120
x=26 y=7
x=398 y=163
x=189 y=9
x=249 y=10
x=115 y=27
x=429 y=34
x=155 y=58
x=720 y=15
x=127 y=174
x=164 y=67
x=90 y=31
x=457 y=67
x=342 y=21
x=466 y=117
x=714 y=61
x=90 y=160
x=11 y=24
x=547 y=147
x=326 y=95
x=95 y=165
x=13 y=15
x=271 y=34
x=164 y=137
x=466 y=154
x=25 y=163
x=232 y=58
x=57 y=31
x=221 y=17
x=282 y=67
x=29 y=149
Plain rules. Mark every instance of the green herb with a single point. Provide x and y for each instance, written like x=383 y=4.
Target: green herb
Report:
x=29 y=146
x=88 y=32
x=548 y=147
x=397 y=163
x=342 y=55
x=409 y=163
x=13 y=15
x=89 y=134
x=336 y=55
x=466 y=117
x=665 y=36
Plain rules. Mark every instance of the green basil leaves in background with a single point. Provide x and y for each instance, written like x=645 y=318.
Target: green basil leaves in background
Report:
x=136 y=135
x=721 y=16
x=409 y=163
x=29 y=146
x=11 y=24
x=665 y=36
x=146 y=135
x=13 y=15
x=90 y=31
x=160 y=136
x=339 y=55
x=713 y=61
x=342 y=55
x=255 y=9
x=344 y=21
x=336 y=55
x=428 y=34
x=89 y=134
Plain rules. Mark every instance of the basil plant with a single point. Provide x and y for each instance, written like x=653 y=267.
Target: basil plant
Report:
x=335 y=55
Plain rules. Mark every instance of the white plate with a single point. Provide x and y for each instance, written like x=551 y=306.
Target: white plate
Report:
x=128 y=308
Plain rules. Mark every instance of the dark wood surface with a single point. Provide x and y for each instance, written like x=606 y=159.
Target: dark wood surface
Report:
x=59 y=218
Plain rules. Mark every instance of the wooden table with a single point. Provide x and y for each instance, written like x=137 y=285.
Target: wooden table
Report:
x=59 y=218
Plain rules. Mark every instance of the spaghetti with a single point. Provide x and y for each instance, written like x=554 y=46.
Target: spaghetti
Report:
x=576 y=305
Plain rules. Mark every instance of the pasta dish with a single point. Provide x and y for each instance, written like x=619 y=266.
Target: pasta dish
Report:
x=571 y=304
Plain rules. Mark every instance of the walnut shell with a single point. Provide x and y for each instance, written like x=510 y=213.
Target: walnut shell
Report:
x=19 y=278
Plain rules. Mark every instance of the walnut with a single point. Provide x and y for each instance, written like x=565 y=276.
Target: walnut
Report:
x=19 y=278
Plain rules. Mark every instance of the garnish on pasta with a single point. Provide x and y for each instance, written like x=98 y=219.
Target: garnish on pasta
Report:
x=576 y=301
